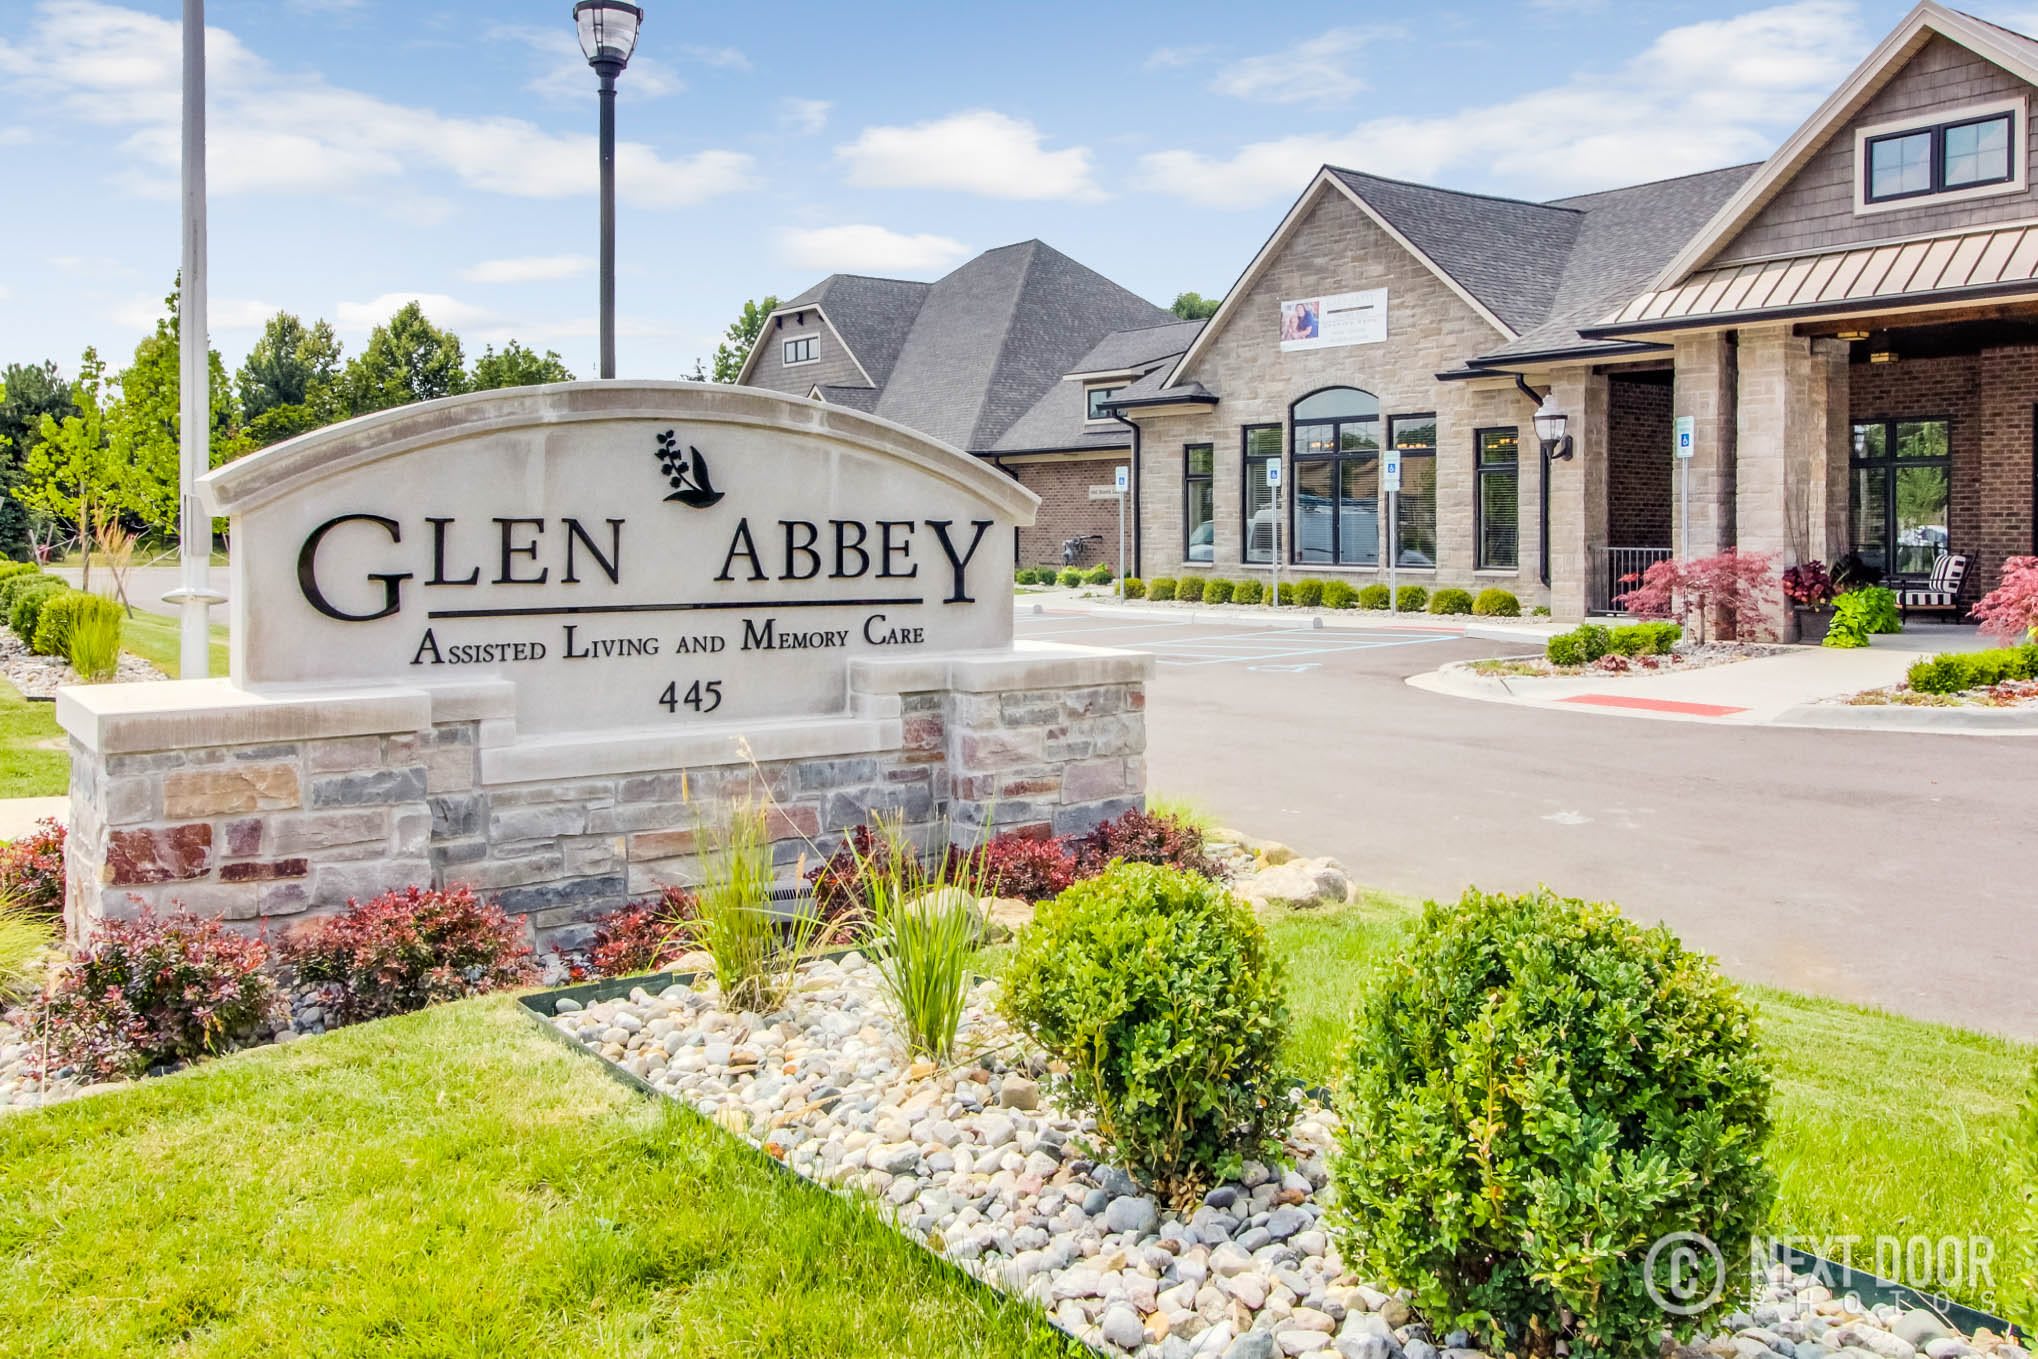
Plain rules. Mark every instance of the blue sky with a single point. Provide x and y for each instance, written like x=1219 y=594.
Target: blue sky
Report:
x=368 y=151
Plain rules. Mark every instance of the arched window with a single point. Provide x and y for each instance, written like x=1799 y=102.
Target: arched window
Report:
x=1335 y=505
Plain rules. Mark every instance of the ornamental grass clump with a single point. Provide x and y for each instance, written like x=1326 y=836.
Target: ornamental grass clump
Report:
x=1159 y=992
x=924 y=934
x=1539 y=1090
x=405 y=950
x=26 y=938
x=93 y=646
x=151 y=991
x=757 y=951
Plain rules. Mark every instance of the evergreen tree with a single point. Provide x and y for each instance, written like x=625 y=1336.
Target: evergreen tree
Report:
x=28 y=392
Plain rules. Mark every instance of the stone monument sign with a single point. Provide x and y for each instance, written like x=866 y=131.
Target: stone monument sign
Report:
x=527 y=641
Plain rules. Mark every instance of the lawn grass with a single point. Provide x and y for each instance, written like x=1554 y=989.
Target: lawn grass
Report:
x=155 y=638
x=451 y=1183
x=1884 y=1126
x=29 y=765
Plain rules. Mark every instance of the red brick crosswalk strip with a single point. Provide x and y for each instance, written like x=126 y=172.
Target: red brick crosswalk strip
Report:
x=1653 y=705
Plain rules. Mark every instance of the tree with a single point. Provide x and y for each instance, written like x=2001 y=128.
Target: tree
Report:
x=1195 y=306
x=28 y=392
x=287 y=365
x=66 y=471
x=407 y=360
x=742 y=333
x=516 y=366
x=143 y=428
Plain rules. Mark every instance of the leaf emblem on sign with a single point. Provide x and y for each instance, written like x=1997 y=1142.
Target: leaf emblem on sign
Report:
x=686 y=471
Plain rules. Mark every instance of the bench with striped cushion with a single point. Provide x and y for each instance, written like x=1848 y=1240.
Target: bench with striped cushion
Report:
x=1940 y=593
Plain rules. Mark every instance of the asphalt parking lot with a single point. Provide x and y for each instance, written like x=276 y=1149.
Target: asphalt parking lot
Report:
x=1887 y=869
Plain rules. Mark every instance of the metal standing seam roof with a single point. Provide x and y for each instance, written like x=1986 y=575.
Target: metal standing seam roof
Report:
x=1862 y=277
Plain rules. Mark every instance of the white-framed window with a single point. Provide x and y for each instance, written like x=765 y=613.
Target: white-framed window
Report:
x=1094 y=399
x=805 y=349
x=1972 y=152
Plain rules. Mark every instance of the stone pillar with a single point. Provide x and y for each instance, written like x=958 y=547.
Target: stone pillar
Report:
x=1705 y=390
x=1578 y=513
x=1784 y=443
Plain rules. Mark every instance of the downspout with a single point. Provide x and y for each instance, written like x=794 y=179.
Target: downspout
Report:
x=1133 y=509
x=999 y=463
x=1543 y=486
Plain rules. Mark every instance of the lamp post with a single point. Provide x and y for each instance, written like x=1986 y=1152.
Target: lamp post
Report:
x=608 y=35
x=1556 y=444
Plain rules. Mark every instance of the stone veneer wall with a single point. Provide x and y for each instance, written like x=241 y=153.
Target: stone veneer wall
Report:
x=215 y=810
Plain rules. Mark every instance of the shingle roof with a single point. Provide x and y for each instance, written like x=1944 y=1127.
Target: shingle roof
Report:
x=856 y=398
x=872 y=315
x=996 y=335
x=1059 y=419
x=1506 y=252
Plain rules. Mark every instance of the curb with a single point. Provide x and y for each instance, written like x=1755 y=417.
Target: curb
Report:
x=1897 y=717
x=1287 y=616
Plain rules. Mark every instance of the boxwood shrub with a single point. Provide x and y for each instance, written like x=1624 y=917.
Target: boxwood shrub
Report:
x=1410 y=599
x=1494 y=602
x=1099 y=574
x=1159 y=991
x=1190 y=589
x=1161 y=588
x=1285 y=592
x=1374 y=596
x=28 y=606
x=1248 y=592
x=1070 y=576
x=1451 y=599
x=1339 y=594
x=1023 y=576
x=1217 y=590
x=1135 y=588
x=1540 y=1088
x=1309 y=592
x=12 y=584
x=1959 y=671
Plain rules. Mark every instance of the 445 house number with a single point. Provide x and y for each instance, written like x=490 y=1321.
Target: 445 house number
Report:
x=702 y=696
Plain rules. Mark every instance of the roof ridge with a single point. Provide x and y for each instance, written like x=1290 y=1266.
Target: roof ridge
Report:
x=1033 y=245
x=1648 y=183
x=1159 y=325
x=1438 y=188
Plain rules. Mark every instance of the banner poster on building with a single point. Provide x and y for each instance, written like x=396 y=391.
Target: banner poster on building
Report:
x=1335 y=319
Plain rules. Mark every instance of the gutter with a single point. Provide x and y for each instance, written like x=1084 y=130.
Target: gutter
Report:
x=1803 y=310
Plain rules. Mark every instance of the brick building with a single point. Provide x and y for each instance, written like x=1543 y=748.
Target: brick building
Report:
x=1850 y=326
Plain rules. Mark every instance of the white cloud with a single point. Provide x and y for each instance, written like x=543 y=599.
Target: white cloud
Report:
x=15 y=136
x=528 y=269
x=1317 y=70
x=869 y=249
x=237 y=313
x=1174 y=58
x=727 y=58
x=560 y=71
x=978 y=151
x=1763 y=71
x=803 y=115
x=439 y=309
x=277 y=131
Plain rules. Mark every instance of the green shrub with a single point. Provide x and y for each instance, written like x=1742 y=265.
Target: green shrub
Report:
x=1248 y=592
x=1411 y=599
x=1539 y=1088
x=1217 y=591
x=1069 y=576
x=1190 y=590
x=1158 y=989
x=28 y=607
x=1374 y=596
x=13 y=586
x=53 y=625
x=1540 y=611
x=94 y=649
x=1339 y=594
x=1161 y=588
x=1285 y=592
x=1566 y=648
x=1309 y=592
x=1099 y=574
x=1494 y=602
x=1860 y=614
x=1023 y=576
x=1451 y=600
x=1134 y=587
x=1952 y=674
x=9 y=570
x=1663 y=637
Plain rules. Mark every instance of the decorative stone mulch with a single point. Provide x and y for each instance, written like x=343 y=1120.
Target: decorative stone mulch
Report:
x=1686 y=656
x=975 y=1162
x=40 y=676
x=2009 y=694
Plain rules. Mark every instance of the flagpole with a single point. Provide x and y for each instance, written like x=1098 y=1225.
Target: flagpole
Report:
x=194 y=594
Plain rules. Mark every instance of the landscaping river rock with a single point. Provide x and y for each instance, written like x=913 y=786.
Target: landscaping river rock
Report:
x=975 y=1161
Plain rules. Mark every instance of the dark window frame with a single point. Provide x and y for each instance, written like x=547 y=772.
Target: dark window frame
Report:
x=1191 y=480
x=1481 y=471
x=1937 y=132
x=1335 y=459
x=1249 y=464
x=1393 y=549
x=1091 y=396
x=809 y=342
x=1889 y=463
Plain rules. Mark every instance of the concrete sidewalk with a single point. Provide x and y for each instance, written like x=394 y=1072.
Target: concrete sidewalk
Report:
x=18 y=815
x=1097 y=602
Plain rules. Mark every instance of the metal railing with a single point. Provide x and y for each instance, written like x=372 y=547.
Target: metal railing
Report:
x=1616 y=570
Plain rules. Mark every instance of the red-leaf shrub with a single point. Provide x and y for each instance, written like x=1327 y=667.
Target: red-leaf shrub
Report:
x=644 y=936
x=1808 y=586
x=1032 y=868
x=152 y=990
x=841 y=892
x=1143 y=838
x=32 y=869
x=2010 y=611
x=409 y=949
x=1714 y=597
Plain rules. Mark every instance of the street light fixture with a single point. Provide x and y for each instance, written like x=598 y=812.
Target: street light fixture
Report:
x=608 y=35
x=1550 y=424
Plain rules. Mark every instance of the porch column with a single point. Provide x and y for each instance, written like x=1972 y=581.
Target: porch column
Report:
x=1578 y=518
x=1705 y=390
x=1784 y=439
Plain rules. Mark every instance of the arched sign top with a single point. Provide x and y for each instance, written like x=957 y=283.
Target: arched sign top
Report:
x=629 y=554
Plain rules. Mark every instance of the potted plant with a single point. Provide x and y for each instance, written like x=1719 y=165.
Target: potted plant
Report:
x=1810 y=591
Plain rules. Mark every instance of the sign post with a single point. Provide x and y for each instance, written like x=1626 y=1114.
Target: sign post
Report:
x=1274 y=485
x=1685 y=447
x=1390 y=482
x=1121 y=482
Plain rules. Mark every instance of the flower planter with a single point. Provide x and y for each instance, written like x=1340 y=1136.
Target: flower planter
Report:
x=1812 y=625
